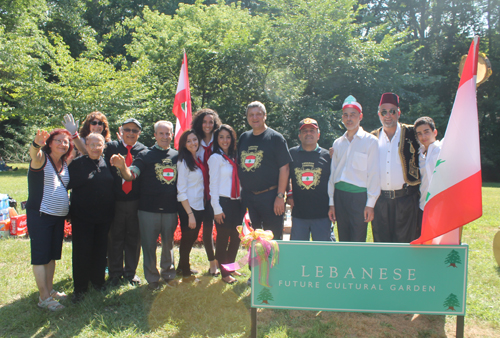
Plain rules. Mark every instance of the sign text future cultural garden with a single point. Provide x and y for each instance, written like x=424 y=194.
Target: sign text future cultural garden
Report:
x=362 y=277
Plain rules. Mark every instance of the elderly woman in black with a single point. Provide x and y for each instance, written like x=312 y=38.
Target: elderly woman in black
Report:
x=46 y=209
x=92 y=210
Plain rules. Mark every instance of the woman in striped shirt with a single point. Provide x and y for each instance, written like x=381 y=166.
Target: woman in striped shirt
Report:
x=46 y=209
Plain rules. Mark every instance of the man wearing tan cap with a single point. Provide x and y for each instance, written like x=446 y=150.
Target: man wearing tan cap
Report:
x=396 y=211
x=309 y=173
x=354 y=184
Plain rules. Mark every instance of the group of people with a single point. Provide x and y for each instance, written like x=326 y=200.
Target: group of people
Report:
x=124 y=195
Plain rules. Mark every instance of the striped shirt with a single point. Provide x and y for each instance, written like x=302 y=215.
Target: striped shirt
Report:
x=46 y=192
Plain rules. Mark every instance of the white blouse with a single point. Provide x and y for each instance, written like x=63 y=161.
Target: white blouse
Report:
x=190 y=186
x=221 y=180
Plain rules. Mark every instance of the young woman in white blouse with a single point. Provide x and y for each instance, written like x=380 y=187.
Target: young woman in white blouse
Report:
x=205 y=122
x=225 y=198
x=190 y=191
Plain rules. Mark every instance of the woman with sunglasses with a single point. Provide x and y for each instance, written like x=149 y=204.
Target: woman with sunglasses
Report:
x=225 y=197
x=205 y=122
x=46 y=209
x=92 y=205
x=96 y=122
x=190 y=191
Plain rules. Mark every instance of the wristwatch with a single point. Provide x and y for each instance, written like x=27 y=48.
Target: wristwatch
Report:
x=281 y=195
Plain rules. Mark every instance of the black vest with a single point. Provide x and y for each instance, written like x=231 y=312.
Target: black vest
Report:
x=408 y=153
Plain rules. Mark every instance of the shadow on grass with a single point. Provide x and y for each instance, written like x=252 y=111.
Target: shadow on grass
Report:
x=498 y=270
x=12 y=174
x=208 y=309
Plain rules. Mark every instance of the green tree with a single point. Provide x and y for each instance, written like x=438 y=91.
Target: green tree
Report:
x=453 y=259
x=265 y=296
x=451 y=302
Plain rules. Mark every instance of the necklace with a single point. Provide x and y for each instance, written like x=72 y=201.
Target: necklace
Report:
x=96 y=164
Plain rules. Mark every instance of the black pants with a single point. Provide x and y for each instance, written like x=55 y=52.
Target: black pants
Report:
x=208 y=226
x=396 y=219
x=124 y=240
x=261 y=210
x=89 y=254
x=228 y=240
x=188 y=238
x=349 y=210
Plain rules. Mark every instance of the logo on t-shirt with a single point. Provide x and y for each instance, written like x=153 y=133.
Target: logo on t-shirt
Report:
x=307 y=177
x=166 y=172
x=251 y=158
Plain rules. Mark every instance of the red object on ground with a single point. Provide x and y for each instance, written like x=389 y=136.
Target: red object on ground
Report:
x=18 y=225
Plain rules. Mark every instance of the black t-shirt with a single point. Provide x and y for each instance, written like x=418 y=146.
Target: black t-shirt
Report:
x=158 y=180
x=117 y=147
x=310 y=171
x=92 y=197
x=260 y=158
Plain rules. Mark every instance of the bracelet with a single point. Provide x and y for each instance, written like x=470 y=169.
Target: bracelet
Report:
x=75 y=135
x=190 y=213
x=35 y=145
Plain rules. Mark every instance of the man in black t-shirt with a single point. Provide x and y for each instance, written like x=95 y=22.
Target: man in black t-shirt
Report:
x=157 y=168
x=309 y=174
x=263 y=171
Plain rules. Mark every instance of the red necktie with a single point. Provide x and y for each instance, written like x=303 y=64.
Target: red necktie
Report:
x=127 y=185
x=208 y=152
x=206 y=180
x=235 y=187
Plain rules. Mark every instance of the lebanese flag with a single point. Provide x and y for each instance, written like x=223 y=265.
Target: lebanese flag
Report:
x=182 y=103
x=454 y=198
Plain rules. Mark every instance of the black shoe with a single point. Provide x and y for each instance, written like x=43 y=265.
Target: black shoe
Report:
x=100 y=288
x=179 y=271
x=153 y=286
x=114 y=281
x=77 y=297
x=134 y=281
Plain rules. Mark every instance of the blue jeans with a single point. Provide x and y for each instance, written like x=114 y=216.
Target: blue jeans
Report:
x=320 y=228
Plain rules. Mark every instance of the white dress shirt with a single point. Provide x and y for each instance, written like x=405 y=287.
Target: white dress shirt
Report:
x=190 y=186
x=221 y=180
x=356 y=162
x=427 y=163
x=391 y=169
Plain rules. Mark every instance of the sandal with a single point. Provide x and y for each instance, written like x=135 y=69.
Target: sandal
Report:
x=58 y=295
x=50 y=303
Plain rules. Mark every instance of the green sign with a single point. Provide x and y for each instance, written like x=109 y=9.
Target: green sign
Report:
x=365 y=277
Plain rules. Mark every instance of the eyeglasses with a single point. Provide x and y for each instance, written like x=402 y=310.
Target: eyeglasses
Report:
x=128 y=130
x=384 y=112
x=96 y=145
x=95 y=123
x=59 y=142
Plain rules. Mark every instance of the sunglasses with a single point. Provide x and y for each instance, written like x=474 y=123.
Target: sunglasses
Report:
x=128 y=130
x=95 y=123
x=384 y=112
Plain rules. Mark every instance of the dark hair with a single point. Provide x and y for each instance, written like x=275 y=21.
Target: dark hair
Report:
x=232 y=147
x=96 y=115
x=53 y=133
x=425 y=120
x=197 y=123
x=184 y=154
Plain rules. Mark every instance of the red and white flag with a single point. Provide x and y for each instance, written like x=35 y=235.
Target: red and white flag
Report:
x=454 y=198
x=182 y=103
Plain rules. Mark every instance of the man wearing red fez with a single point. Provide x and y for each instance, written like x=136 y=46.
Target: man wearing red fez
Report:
x=396 y=210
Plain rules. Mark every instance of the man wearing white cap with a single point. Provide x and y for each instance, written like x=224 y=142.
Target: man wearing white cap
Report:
x=354 y=184
x=396 y=211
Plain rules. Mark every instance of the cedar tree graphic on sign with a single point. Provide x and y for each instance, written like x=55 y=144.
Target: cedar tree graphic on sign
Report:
x=451 y=301
x=265 y=295
x=453 y=258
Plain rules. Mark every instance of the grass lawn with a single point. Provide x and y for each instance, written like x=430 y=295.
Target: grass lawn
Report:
x=215 y=309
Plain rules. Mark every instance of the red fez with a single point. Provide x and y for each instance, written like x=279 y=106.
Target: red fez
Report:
x=389 y=98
